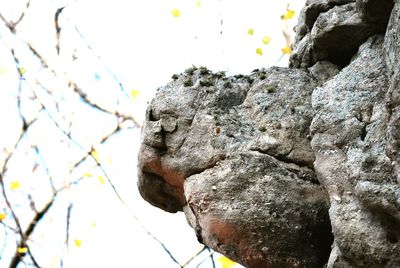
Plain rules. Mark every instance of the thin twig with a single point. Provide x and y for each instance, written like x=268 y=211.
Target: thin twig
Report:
x=58 y=28
x=68 y=220
x=25 y=237
x=210 y=255
x=99 y=58
x=194 y=256
x=12 y=25
x=46 y=168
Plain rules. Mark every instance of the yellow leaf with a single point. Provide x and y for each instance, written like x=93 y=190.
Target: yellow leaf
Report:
x=3 y=216
x=22 y=250
x=87 y=175
x=199 y=4
x=95 y=155
x=15 y=185
x=259 y=51
x=3 y=70
x=250 y=31
x=78 y=242
x=266 y=40
x=21 y=70
x=176 y=12
x=288 y=14
x=101 y=179
x=226 y=262
x=287 y=50
x=135 y=94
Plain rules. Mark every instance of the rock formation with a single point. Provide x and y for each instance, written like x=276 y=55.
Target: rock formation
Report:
x=289 y=167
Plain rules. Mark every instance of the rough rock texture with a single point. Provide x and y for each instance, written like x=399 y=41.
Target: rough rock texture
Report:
x=289 y=167
x=251 y=199
x=238 y=151
x=375 y=11
x=334 y=29
x=392 y=52
x=349 y=130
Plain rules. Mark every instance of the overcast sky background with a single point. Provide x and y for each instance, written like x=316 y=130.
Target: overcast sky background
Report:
x=143 y=44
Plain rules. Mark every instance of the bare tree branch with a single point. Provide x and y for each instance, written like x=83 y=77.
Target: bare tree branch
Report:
x=210 y=255
x=12 y=25
x=43 y=163
x=194 y=256
x=100 y=59
x=5 y=196
x=25 y=237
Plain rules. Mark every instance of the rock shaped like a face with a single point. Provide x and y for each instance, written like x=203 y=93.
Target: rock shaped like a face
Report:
x=235 y=153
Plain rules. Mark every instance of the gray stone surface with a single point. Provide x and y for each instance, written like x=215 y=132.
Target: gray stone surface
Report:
x=190 y=128
x=310 y=13
x=376 y=11
x=333 y=30
x=350 y=144
x=238 y=138
x=289 y=167
x=256 y=209
x=322 y=71
x=337 y=34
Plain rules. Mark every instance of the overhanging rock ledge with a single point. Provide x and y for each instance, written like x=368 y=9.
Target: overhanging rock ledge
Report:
x=289 y=167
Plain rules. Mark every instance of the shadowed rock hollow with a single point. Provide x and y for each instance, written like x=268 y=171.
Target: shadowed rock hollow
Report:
x=289 y=167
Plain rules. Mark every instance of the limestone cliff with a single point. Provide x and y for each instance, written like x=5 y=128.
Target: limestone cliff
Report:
x=289 y=167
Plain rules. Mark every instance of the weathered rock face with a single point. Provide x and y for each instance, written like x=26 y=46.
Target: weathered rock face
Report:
x=349 y=140
x=289 y=167
x=251 y=199
x=334 y=29
x=235 y=153
x=392 y=52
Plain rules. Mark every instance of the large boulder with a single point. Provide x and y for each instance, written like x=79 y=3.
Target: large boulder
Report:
x=257 y=209
x=234 y=153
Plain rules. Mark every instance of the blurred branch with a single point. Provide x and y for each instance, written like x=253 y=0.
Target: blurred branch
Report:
x=113 y=75
x=58 y=28
x=25 y=237
x=194 y=256
x=4 y=236
x=70 y=81
x=12 y=25
x=24 y=123
x=10 y=228
x=86 y=100
x=68 y=220
x=43 y=163
x=17 y=257
x=210 y=255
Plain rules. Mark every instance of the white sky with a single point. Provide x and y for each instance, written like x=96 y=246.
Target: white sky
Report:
x=143 y=44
